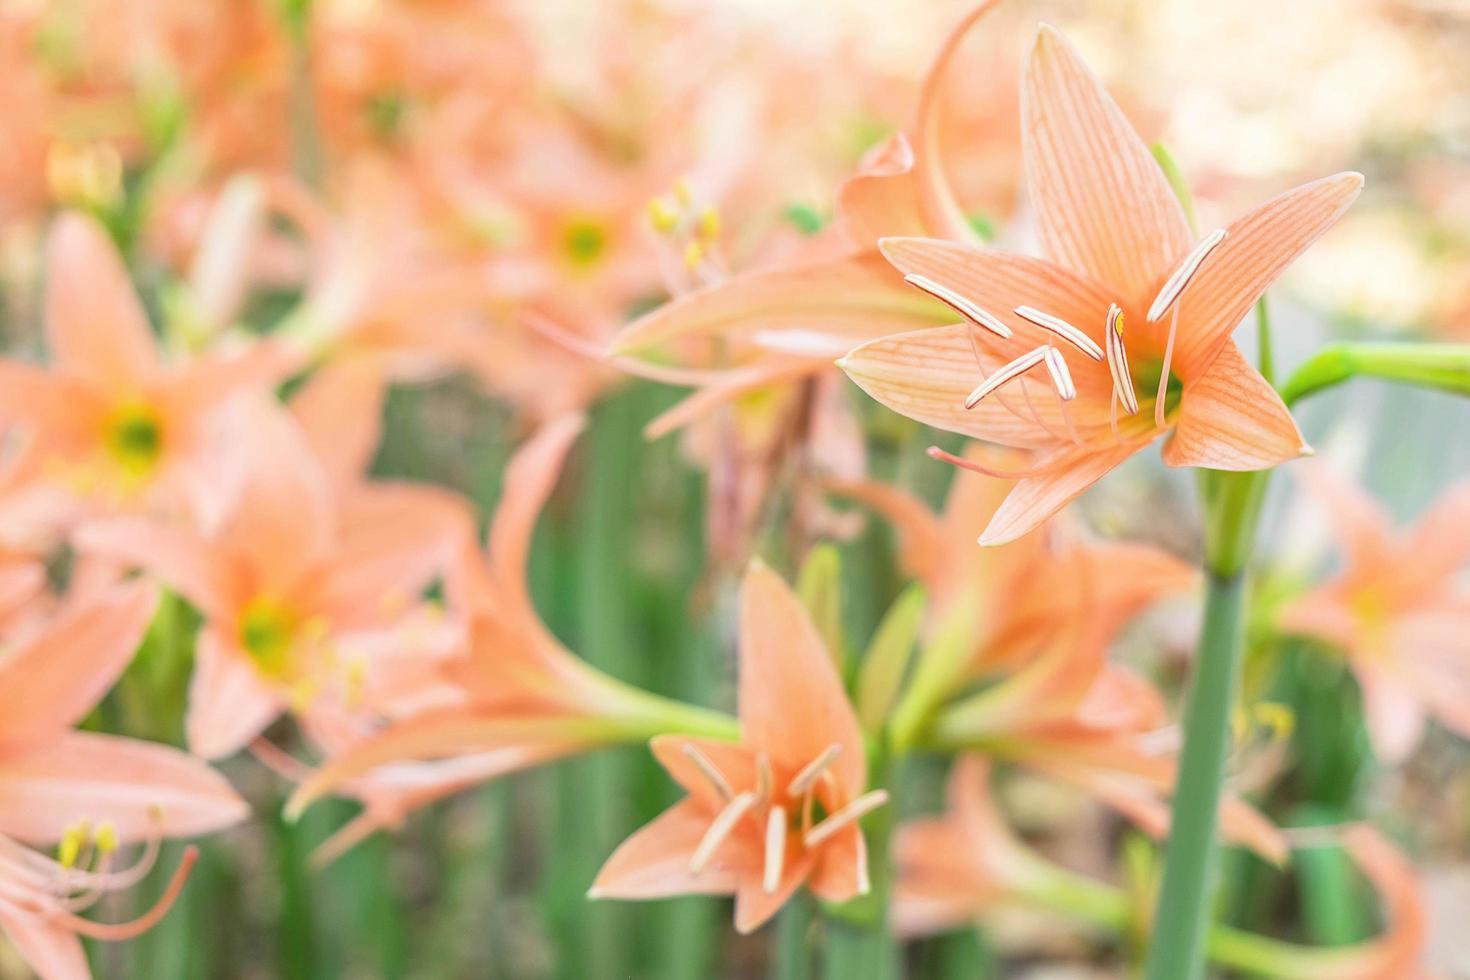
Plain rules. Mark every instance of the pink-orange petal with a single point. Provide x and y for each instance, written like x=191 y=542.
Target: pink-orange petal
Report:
x=1103 y=205
x=95 y=325
x=654 y=861
x=1256 y=250
x=792 y=703
x=229 y=701
x=1036 y=498
x=1230 y=418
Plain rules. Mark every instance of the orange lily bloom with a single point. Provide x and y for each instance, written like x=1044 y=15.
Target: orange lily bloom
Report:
x=520 y=697
x=780 y=808
x=287 y=583
x=1396 y=611
x=1121 y=335
x=89 y=793
x=109 y=420
x=956 y=868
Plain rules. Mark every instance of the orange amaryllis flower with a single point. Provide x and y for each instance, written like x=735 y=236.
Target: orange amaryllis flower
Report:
x=1396 y=610
x=285 y=583
x=955 y=868
x=520 y=697
x=88 y=793
x=111 y=421
x=1121 y=335
x=777 y=810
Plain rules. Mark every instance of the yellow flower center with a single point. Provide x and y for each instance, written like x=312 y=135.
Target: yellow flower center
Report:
x=268 y=632
x=584 y=241
x=134 y=438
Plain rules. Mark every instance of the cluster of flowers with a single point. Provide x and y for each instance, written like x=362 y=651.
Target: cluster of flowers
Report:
x=434 y=213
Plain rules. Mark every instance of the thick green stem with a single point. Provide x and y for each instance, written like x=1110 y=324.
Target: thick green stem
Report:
x=859 y=943
x=1180 y=924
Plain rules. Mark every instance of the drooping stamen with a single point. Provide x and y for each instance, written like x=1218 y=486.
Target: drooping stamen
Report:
x=1061 y=378
x=1062 y=329
x=1175 y=284
x=716 y=778
x=1164 y=372
x=935 y=453
x=853 y=812
x=723 y=823
x=1005 y=373
x=775 y=849
x=1118 y=361
x=961 y=305
x=113 y=932
x=813 y=770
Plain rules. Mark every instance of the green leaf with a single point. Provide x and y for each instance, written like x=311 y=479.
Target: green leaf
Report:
x=888 y=656
x=819 y=586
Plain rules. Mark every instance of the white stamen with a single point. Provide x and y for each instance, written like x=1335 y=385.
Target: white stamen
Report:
x=1175 y=284
x=960 y=305
x=864 y=883
x=850 y=814
x=1061 y=378
x=1164 y=372
x=808 y=776
x=1118 y=361
x=1062 y=329
x=775 y=849
x=716 y=778
x=719 y=830
x=1004 y=374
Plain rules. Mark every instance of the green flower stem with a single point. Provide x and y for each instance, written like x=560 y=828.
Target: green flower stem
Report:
x=859 y=943
x=1443 y=366
x=1110 y=910
x=1182 y=918
x=792 y=950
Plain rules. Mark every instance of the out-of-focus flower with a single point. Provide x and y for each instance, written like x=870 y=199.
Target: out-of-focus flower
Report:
x=777 y=810
x=87 y=793
x=1396 y=610
x=955 y=868
x=285 y=583
x=1121 y=252
x=522 y=698
x=109 y=421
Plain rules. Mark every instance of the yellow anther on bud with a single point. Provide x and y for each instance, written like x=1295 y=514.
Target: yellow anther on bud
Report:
x=663 y=216
x=683 y=193
x=693 y=255
x=106 y=838
x=709 y=223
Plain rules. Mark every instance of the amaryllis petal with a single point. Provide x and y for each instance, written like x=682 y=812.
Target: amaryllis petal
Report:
x=654 y=861
x=1230 y=418
x=1439 y=543
x=139 y=787
x=529 y=477
x=67 y=409
x=55 y=676
x=1103 y=205
x=927 y=374
x=842 y=871
x=1256 y=249
x=819 y=308
x=95 y=324
x=51 y=950
x=340 y=409
x=520 y=743
x=755 y=906
x=1362 y=528
x=1392 y=712
x=229 y=701
x=792 y=703
x=1036 y=498
x=924 y=546
x=881 y=198
x=176 y=556
x=684 y=759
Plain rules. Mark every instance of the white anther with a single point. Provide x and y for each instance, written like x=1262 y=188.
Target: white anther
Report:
x=1062 y=329
x=960 y=305
x=1175 y=284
